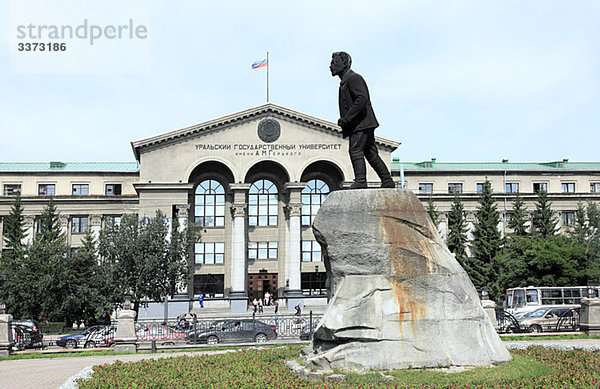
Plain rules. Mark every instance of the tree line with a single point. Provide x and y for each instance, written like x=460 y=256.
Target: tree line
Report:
x=47 y=280
x=533 y=253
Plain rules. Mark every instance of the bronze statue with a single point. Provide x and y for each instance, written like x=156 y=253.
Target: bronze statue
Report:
x=358 y=122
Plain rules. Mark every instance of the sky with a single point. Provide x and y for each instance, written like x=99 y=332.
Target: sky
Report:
x=455 y=80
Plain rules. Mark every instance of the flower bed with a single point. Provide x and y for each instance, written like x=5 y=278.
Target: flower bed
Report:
x=264 y=368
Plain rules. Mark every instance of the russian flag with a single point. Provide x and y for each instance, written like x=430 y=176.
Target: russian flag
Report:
x=260 y=64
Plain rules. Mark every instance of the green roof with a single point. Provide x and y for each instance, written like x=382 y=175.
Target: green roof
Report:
x=433 y=165
x=58 y=166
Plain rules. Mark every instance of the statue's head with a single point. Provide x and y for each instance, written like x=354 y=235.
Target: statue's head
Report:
x=340 y=62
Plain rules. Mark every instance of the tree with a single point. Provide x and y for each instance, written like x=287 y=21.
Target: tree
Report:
x=14 y=228
x=544 y=221
x=142 y=261
x=457 y=230
x=48 y=256
x=487 y=240
x=549 y=261
x=433 y=212
x=518 y=220
x=585 y=231
x=12 y=269
x=82 y=284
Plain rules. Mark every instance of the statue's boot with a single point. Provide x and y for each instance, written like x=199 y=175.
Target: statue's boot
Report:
x=360 y=173
x=382 y=171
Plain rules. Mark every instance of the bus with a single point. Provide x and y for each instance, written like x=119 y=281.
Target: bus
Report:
x=527 y=299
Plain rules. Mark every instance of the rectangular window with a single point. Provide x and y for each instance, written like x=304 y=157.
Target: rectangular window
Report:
x=313 y=283
x=551 y=296
x=79 y=224
x=112 y=221
x=81 y=189
x=480 y=187
x=12 y=189
x=112 y=190
x=454 y=188
x=511 y=187
x=595 y=187
x=568 y=187
x=46 y=190
x=426 y=188
x=567 y=218
x=262 y=250
x=311 y=251
x=540 y=186
x=209 y=253
x=209 y=285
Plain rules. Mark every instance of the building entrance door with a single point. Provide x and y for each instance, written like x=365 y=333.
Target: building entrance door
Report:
x=261 y=283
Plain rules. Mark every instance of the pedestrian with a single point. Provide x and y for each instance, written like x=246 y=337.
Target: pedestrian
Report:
x=260 y=306
x=194 y=320
x=267 y=297
x=276 y=303
x=255 y=304
x=201 y=300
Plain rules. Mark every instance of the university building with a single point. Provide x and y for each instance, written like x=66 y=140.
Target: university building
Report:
x=254 y=181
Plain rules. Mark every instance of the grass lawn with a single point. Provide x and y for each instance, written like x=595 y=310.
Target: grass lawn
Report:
x=264 y=368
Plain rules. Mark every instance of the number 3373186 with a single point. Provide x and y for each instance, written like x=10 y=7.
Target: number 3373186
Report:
x=42 y=47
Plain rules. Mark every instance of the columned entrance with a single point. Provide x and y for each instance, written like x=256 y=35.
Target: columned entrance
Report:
x=261 y=283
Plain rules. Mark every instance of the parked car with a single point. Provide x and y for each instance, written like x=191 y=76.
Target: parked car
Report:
x=161 y=333
x=546 y=319
x=34 y=330
x=72 y=341
x=104 y=336
x=307 y=332
x=21 y=336
x=237 y=330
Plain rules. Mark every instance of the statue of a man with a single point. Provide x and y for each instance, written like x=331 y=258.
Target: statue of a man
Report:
x=358 y=122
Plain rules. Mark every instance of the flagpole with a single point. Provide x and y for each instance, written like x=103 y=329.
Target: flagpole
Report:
x=267 y=76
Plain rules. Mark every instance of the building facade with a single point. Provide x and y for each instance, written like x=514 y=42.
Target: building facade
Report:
x=253 y=181
x=567 y=184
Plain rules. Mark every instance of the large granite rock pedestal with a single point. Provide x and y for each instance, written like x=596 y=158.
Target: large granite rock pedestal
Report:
x=400 y=299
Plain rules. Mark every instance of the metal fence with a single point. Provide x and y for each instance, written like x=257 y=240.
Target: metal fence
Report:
x=229 y=329
x=566 y=321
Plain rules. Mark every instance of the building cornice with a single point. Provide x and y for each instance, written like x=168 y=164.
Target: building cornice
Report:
x=261 y=110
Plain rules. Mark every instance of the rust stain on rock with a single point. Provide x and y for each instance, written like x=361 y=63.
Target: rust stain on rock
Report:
x=409 y=256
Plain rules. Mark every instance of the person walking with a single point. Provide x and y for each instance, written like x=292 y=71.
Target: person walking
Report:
x=260 y=306
x=255 y=304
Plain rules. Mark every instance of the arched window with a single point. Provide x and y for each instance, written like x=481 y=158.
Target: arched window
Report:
x=209 y=204
x=313 y=195
x=262 y=204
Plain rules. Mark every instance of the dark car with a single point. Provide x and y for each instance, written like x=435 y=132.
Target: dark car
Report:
x=72 y=341
x=104 y=336
x=34 y=329
x=21 y=336
x=307 y=331
x=237 y=330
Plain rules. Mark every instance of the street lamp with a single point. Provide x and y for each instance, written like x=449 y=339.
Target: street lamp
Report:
x=317 y=277
x=591 y=292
